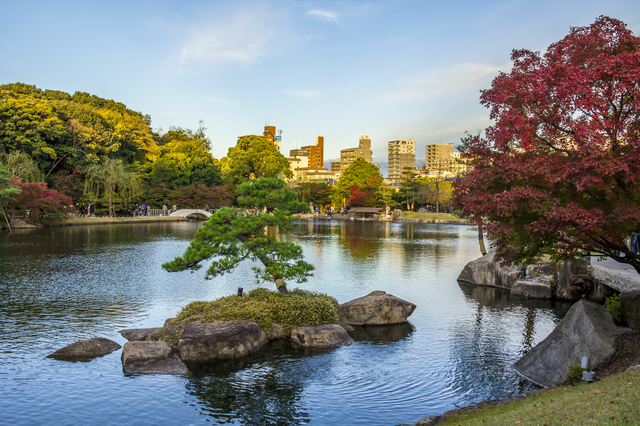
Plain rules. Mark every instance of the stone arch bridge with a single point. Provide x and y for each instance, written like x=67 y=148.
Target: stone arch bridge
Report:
x=191 y=213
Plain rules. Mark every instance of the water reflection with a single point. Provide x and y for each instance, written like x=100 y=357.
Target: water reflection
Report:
x=61 y=285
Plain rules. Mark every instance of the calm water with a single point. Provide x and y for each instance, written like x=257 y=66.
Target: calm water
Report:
x=60 y=285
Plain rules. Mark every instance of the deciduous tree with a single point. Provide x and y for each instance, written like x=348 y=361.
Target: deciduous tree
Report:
x=108 y=178
x=362 y=173
x=559 y=172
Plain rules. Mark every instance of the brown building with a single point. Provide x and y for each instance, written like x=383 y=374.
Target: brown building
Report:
x=315 y=153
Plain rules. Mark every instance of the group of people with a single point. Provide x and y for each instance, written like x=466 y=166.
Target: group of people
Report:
x=80 y=210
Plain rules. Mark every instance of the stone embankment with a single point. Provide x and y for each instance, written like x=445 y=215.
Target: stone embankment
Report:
x=204 y=343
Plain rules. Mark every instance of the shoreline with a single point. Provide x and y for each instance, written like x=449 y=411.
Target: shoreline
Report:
x=99 y=221
x=341 y=217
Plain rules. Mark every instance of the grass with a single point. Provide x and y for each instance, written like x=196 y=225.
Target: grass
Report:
x=299 y=308
x=430 y=216
x=614 y=400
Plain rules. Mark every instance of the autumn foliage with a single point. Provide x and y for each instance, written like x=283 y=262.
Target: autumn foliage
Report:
x=37 y=199
x=559 y=171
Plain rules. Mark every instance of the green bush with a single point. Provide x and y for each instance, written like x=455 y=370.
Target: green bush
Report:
x=573 y=371
x=299 y=308
x=612 y=304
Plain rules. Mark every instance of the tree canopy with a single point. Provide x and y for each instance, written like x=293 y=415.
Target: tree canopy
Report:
x=559 y=171
x=230 y=236
x=363 y=174
x=255 y=157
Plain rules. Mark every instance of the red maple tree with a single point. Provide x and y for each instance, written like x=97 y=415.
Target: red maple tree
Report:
x=559 y=172
x=37 y=199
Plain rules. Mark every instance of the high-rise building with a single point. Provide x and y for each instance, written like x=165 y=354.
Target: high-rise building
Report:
x=316 y=152
x=349 y=155
x=442 y=160
x=402 y=153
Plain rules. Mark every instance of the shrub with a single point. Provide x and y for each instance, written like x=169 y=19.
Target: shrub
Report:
x=299 y=308
x=612 y=304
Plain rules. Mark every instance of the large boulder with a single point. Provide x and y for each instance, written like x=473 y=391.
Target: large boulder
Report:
x=139 y=334
x=139 y=357
x=206 y=342
x=615 y=279
x=630 y=304
x=86 y=349
x=376 y=308
x=485 y=271
x=534 y=288
x=586 y=330
x=321 y=336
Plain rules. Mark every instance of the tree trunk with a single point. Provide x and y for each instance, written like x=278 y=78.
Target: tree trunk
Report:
x=111 y=202
x=483 y=250
x=281 y=284
x=6 y=218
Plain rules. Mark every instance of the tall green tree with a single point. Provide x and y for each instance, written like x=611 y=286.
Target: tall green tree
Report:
x=254 y=157
x=362 y=173
x=230 y=236
x=7 y=191
x=108 y=178
x=20 y=165
x=409 y=187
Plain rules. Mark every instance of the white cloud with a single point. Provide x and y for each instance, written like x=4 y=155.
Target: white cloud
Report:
x=456 y=79
x=243 y=36
x=323 y=15
x=303 y=94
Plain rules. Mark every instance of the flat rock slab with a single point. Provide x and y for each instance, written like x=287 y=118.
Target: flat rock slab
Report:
x=140 y=357
x=630 y=305
x=321 y=336
x=139 y=334
x=586 y=330
x=534 y=288
x=206 y=342
x=85 y=350
x=376 y=308
x=615 y=279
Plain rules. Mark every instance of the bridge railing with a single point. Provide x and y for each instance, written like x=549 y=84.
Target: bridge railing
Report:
x=158 y=212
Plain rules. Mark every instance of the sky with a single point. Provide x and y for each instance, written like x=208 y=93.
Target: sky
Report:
x=390 y=69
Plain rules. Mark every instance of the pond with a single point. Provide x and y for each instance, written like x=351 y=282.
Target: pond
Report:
x=60 y=285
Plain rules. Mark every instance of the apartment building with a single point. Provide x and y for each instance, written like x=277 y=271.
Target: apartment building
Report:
x=402 y=153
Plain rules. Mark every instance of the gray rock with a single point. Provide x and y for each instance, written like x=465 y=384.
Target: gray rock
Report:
x=616 y=280
x=86 y=349
x=277 y=332
x=347 y=327
x=321 y=336
x=485 y=271
x=541 y=268
x=586 y=330
x=139 y=334
x=630 y=304
x=534 y=288
x=376 y=308
x=139 y=357
x=206 y=342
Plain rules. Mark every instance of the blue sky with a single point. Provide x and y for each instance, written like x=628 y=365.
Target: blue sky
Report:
x=393 y=69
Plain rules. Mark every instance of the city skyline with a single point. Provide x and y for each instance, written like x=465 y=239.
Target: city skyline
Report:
x=401 y=70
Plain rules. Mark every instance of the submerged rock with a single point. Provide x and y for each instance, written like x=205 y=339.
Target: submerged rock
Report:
x=586 y=330
x=140 y=357
x=139 y=334
x=321 y=336
x=205 y=342
x=376 y=308
x=85 y=350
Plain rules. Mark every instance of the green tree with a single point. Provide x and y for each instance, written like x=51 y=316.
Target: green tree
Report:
x=7 y=191
x=254 y=157
x=314 y=192
x=362 y=173
x=20 y=165
x=108 y=178
x=409 y=187
x=185 y=159
x=233 y=235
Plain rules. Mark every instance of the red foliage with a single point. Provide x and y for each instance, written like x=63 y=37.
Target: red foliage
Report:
x=559 y=171
x=360 y=198
x=37 y=199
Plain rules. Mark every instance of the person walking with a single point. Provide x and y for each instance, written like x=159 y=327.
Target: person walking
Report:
x=92 y=210
x=165 y=210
